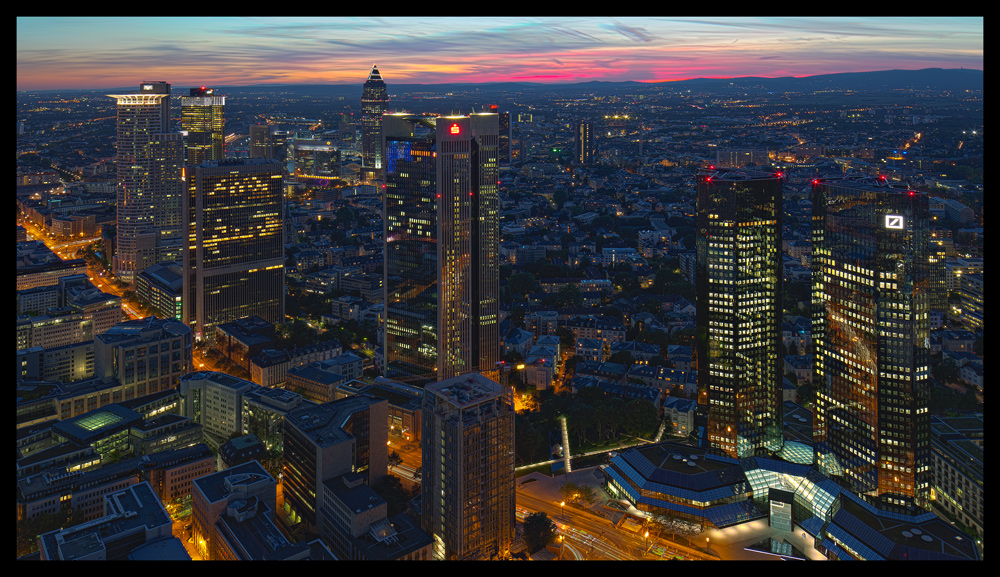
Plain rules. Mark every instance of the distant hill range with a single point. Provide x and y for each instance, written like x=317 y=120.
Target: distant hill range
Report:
x=953 y=79
x=928 y=78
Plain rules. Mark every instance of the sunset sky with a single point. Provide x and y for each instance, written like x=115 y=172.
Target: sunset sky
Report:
x=111 y=52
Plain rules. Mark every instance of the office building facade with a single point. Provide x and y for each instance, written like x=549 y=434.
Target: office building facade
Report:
x=467 y=475
x=441 y=208
x=321 y=442
x=374 y=99
x=506 y=139
x=738 y=278
x=150 y=161
x=870 y=335
x=203 y=117
x=145 y=355
x=234 y=258
x=261 y=141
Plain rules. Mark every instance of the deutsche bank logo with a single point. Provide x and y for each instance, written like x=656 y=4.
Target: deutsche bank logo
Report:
x=893 y=221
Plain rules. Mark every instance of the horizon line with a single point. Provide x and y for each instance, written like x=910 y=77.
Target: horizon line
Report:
x=530 y=82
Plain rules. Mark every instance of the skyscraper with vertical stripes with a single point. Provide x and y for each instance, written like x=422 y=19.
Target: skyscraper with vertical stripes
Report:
x=442 y=229
x=467 y=473
x=149 y=160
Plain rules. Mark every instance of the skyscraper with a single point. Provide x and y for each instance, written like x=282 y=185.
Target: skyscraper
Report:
x=203 y=116
x=234 y=258
x=503 y=154
x=467 y=475
x=739 y=306
x=374 y=98
x=150 y=161
x=870 y=303
x=442 y=228
x=261 y=141
x=583 y=143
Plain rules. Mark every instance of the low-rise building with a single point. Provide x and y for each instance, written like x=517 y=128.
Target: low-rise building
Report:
x=132 y=517
x=215 y=495
x=327 y=440
x=145 y=355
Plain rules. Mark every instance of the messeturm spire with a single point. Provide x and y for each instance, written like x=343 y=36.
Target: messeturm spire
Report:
x=374 y=99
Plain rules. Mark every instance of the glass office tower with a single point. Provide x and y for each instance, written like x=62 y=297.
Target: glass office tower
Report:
x=234 y=259
x=150 y=162
x=870 y=303
x=203 y=117
x=374 y=99
x=739 y=305
x=441 y=209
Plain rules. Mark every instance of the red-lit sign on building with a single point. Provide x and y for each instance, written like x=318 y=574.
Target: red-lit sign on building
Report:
x=454 y=129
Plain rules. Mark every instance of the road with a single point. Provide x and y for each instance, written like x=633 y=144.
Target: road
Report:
x=591 y=535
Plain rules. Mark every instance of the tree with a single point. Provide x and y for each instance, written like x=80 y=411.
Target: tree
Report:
x=529 y=444
x=395 y=460
x=522 y=283
x=28 y=530
x=539 y=531
x=641 y=419
x=396 y=497
x=567 y=340
x=569 y=296
x=622 y=358
x=946 y=372
x=570 y=491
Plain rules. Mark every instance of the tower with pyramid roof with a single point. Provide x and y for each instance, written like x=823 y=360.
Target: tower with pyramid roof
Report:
x=374 y=99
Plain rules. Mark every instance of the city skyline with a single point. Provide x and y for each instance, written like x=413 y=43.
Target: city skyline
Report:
x=730 y=321
x=93 y=53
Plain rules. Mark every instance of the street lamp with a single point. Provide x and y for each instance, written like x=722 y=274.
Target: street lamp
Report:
x=563 y=505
